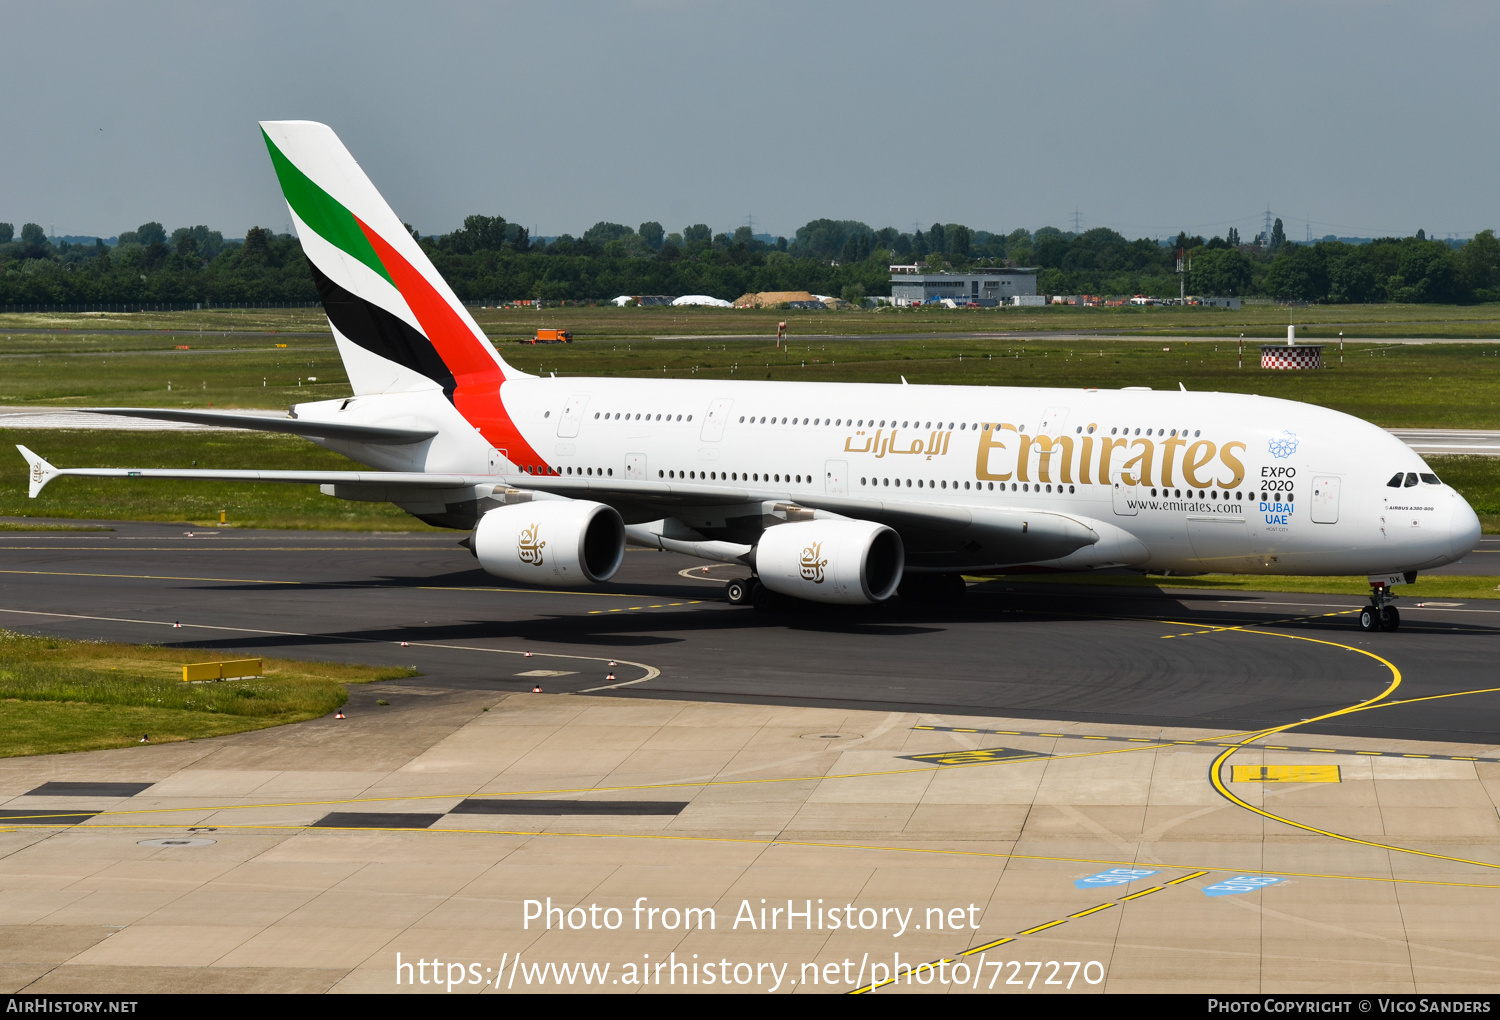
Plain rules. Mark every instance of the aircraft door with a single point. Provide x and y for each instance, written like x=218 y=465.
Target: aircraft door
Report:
x=835 y=477
x=1325 y=501
x=1052 y=421
x=1221 y=541
x=635 y=467
x=714 y=420
x=1125 y=499
x=572 y=417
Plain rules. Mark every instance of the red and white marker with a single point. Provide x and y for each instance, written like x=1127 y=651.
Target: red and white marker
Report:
x=339 y=714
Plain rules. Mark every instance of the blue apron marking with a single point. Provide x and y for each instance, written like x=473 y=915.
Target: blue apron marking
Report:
x=1114 y=876
x=1240 y=884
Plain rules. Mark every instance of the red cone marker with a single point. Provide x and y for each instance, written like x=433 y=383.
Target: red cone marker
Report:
x=339 y=714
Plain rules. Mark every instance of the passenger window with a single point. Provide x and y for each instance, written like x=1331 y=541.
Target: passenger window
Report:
x=1430 y=479
x=1411 y=479
x=1395 y=482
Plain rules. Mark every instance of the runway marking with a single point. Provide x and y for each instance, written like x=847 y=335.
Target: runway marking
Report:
x=987 y=754
x=700 y=573
x=1216 y=777
x=1219 y=741
x=650 y=672
x=1212 y=629
x=1285 y=774
x=1030 y=931
x=632 y=609
x=146 y=577
x=329 y=584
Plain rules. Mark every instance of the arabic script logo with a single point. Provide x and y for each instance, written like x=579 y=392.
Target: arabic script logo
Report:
x=812 y=564
x=1283 y=446
x=36 y=473
x=529 y=547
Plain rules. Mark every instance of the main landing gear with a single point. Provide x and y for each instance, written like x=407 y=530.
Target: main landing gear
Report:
x=747 y=591
x=1380 y=614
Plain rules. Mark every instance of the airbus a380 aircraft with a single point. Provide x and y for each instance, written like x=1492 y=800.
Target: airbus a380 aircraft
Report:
x=831 y=492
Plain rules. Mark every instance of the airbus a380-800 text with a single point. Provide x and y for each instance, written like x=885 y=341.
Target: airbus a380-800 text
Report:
x=830 y=492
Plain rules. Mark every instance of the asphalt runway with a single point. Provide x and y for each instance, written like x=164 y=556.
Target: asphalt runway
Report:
x=1145 y=657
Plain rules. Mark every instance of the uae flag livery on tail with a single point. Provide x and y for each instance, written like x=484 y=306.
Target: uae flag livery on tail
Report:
x=398 y=324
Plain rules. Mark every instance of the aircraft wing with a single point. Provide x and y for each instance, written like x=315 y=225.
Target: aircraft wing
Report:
x=990 y=534
x=308 y=428
x=42 y=472
x=1005 y=534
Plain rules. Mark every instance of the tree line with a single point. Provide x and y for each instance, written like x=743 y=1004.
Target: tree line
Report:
x=489 y=258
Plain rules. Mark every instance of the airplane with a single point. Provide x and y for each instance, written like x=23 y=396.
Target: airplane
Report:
x=835 y=493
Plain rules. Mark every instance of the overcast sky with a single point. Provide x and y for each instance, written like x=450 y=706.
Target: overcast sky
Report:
x=1362 y=118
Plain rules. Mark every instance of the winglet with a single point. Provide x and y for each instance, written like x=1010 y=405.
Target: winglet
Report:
x=41 y=471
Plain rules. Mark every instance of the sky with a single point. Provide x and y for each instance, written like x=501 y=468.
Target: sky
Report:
x=1351 y=118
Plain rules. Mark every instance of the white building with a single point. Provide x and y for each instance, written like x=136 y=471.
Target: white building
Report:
x=986 y=287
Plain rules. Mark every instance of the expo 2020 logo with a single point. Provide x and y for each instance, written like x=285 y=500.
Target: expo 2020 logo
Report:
x=1283 y=446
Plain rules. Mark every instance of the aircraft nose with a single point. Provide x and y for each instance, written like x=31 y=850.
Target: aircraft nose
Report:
x=1463 y=528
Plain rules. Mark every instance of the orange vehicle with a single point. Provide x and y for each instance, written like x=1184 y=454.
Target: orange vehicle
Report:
x=552 y=336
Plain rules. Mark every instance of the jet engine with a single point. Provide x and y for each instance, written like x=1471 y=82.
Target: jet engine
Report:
x=846 y=562
x=551 y=543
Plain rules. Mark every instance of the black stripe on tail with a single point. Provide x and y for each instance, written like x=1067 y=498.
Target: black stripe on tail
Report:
x=380 y=332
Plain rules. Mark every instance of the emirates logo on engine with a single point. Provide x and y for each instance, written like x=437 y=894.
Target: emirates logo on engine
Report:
x=812 y=563
x=529 y=547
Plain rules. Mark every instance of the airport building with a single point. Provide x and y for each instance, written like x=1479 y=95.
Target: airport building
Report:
x=987 y=287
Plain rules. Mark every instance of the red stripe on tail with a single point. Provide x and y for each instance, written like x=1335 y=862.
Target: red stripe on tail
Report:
x=477 y=374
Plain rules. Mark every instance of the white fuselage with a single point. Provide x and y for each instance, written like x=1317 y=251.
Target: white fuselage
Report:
x=1173 y=481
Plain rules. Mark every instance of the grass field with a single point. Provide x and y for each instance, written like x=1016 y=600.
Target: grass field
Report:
x=609 y=323
x=58 y=695
x=1447 y=385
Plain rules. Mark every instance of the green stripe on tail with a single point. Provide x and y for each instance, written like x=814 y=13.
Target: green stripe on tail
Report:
x=322 y=212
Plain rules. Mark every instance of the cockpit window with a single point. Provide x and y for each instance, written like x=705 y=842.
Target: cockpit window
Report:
x=1411 y=479
x=1395 y=482
x=1430 y=479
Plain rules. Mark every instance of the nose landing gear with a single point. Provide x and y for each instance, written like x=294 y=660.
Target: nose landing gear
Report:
x=1380 y=614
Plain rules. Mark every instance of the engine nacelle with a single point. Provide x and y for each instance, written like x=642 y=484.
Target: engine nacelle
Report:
x=844 y=562
x=551 y=543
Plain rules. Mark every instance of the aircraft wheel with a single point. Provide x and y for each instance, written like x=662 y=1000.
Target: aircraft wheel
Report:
x=1390 y=619
x=738 y=591
x=1368 y=620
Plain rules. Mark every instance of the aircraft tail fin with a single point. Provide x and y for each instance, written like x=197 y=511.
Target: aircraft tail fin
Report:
x=398 y=323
